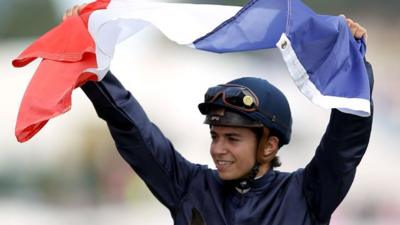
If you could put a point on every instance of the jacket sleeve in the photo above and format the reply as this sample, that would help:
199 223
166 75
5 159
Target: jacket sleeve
329 175
140 142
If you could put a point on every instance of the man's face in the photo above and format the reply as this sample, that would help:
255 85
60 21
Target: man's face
233 150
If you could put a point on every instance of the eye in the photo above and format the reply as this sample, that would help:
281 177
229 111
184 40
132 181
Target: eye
232 139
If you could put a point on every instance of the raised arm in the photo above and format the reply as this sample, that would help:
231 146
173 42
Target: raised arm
140 142
329 175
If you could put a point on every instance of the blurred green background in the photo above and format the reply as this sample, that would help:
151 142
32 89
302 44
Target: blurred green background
70 173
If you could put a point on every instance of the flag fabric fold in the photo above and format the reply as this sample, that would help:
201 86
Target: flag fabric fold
57 47
181 23
67 51
258 25
324 60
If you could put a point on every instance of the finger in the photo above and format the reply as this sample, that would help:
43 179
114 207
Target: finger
75 10
67 14
349 21
82 6
78 8
353 28
360 33
365 36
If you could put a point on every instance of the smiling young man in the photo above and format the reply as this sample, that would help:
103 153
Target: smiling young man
249 121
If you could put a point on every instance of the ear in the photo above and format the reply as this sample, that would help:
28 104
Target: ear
269 149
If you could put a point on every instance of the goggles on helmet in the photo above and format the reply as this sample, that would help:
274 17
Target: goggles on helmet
233 95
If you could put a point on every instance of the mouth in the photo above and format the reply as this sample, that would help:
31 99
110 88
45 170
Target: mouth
223 164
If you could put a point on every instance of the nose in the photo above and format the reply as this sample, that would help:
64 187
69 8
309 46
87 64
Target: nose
218 147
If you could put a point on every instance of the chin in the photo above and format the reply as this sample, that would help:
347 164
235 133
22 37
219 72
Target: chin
227 177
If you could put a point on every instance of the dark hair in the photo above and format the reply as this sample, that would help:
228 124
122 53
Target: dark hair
275 162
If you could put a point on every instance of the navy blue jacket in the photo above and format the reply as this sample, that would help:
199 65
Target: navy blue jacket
194 194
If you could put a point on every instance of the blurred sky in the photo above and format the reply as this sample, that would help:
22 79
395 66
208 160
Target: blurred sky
70 172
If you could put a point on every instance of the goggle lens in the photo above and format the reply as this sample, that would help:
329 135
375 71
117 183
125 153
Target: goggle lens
236 96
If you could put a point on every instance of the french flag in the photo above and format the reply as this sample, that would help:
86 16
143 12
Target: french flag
323 58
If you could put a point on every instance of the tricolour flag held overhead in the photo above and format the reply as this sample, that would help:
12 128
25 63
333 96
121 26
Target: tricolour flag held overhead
323 58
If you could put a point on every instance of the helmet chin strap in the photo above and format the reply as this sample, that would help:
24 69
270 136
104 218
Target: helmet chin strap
242 185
